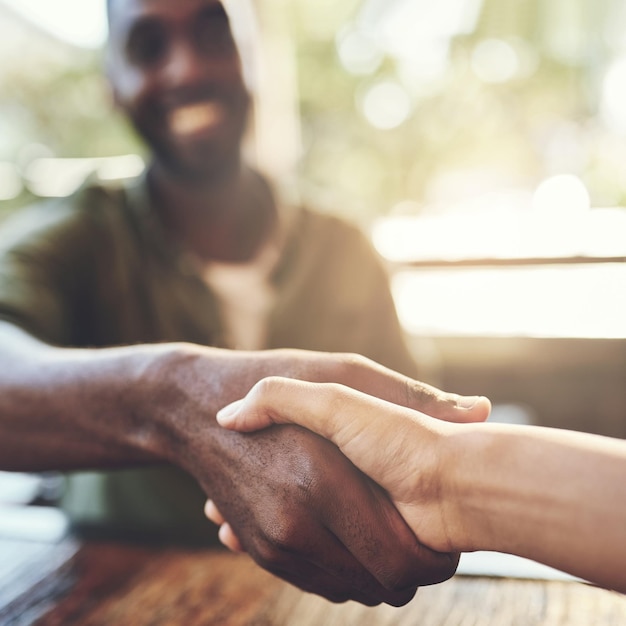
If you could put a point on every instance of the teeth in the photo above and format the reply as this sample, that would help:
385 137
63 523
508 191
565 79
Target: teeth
195 117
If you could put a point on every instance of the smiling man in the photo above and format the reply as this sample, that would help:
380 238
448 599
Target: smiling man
178 76
194 272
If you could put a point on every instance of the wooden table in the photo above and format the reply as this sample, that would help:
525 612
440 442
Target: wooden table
114 584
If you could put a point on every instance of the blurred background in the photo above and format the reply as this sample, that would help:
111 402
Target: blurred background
482 143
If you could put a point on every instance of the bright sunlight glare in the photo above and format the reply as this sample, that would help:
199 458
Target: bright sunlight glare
572 301
562 195
614 96
386 105
79 22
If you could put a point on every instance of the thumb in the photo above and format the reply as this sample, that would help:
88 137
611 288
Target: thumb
272 400
276 400
338 413
379 437
449 407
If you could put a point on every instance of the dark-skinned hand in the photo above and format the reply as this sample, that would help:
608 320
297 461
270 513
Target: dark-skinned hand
296 504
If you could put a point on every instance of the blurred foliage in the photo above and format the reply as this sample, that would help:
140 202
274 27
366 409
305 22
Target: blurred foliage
463 136
68 110
53 102
509 134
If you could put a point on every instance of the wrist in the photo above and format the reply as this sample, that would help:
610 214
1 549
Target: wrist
160 398
480 491
464 491
102 400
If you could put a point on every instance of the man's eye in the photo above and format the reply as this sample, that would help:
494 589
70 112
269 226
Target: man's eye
148 45
212 34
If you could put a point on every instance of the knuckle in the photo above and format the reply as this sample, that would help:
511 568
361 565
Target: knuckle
405 569
284 535
349 365
401 598
307 471
423 396
445 569
304 481
336 398
269 556
359 363
267 387
341 598
426 568
354 359
400 578
337 404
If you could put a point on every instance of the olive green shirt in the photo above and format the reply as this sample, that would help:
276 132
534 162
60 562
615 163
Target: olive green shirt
98 269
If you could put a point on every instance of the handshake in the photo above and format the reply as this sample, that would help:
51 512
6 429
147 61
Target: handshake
412 480
349 508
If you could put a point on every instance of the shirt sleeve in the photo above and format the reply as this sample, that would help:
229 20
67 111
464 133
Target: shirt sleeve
42 263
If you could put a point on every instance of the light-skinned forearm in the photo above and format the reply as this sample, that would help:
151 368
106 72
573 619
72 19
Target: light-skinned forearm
550 495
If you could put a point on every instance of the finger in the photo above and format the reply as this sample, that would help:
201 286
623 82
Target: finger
397 447
276 400
376 380
393 555
352 420
313 579
449 407
328 569
391 444
228 537
244 415
213 513
251 413
369 538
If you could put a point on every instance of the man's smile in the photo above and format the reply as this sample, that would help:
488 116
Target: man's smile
196 118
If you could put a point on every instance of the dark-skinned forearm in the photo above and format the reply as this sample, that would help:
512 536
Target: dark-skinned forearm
118 407
67 409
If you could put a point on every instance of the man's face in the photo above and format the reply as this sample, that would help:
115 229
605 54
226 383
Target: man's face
175 70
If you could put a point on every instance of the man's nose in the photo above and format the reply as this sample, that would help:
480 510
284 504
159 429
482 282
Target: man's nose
184 66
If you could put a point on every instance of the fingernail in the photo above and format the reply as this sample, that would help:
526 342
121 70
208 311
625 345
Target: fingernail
229 412
468 402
